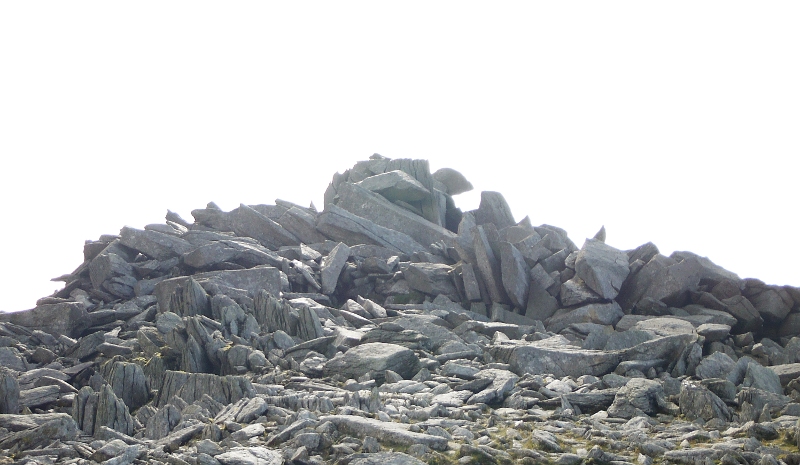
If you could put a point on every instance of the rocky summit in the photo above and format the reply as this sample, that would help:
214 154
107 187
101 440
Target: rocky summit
393 328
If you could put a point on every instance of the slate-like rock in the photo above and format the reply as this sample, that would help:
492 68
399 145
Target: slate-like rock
698 402
602 267
67 318
603 314
385 431
246 221
9 393
555 356
154 244
494 209
395 185
343 226
639 396
376 357
430 278
454 182
193 386
332 266
514 274
366 204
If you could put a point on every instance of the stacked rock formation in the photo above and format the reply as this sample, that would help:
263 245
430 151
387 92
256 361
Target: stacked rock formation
394 328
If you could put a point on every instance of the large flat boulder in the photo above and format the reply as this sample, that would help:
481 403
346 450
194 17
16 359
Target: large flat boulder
602 267
67 318
374 357
366 204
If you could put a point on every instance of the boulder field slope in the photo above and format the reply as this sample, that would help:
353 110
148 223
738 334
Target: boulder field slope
393 328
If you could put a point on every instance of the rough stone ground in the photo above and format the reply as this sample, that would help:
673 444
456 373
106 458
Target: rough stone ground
393 328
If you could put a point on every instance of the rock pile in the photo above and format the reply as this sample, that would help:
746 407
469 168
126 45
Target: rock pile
393 328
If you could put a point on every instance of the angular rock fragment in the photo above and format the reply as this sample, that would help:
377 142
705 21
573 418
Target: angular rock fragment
374 357
602 268
395 185
332 267
430 278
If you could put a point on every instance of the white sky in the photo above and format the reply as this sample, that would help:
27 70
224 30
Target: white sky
670 122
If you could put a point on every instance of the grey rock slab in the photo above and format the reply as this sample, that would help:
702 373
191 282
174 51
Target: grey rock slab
494 209
398 433
602 267
502 381
332 266
430 278
716 365
250 281
455 183
432 327
603 314
376 357
748 318
575 292
9 393
696 401
302 224
773 303
714 332
366 204
514 274
128 382
665 326
193 386
154 244
11 358
246 221
343 226
554 356
179 437
37 397
250 456
639 396
395 185
308 324
488 265
786 372
67 318
670 279
58 427
763 378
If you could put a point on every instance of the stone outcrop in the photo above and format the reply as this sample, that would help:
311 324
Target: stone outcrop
392 327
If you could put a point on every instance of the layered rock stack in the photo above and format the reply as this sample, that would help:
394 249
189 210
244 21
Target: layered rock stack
394 328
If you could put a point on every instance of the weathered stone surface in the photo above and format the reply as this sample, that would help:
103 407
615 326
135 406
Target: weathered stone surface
250 281
555 356
67 318
430 278
454 182
494 209
698 402
246 221
39 396
786 372
395 185
488 265
602 267
670 279
193 386
302 224
154 244
9 393
57 427
385 431
250 456
128 383
772 303
514 274
332 266
716 365
603 314
376 357
366 204
639 397
351 229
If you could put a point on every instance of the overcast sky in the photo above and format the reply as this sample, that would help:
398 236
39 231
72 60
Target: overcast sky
670 122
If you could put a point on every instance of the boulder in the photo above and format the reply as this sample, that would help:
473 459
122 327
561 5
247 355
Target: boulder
395 185
602 267
376 357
